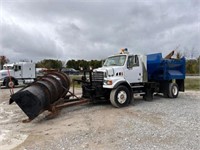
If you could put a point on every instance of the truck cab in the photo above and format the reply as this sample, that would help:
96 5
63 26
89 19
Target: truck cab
123 67
116 78
19 71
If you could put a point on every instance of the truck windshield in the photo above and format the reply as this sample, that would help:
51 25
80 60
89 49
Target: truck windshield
115 61
8 67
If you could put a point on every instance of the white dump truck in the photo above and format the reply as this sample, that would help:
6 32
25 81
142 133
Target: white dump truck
14 73
125 74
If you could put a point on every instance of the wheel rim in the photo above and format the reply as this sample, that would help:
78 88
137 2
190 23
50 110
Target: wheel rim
175 90
11 84
121 97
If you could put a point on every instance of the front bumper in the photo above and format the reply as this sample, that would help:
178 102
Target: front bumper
95 92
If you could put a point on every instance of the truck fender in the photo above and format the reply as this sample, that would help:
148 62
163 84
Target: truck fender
122 83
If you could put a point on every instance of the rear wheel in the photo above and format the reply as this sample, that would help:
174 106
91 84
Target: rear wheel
173 90
120 96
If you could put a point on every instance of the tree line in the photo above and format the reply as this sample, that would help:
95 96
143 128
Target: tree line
76 64
83 64
192 65
49 64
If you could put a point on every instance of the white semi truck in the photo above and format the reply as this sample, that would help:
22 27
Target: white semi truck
13 74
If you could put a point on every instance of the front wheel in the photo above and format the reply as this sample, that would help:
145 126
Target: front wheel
120 96
10 84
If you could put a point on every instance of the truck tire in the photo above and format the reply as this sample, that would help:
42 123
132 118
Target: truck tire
120 96
10 83
173 90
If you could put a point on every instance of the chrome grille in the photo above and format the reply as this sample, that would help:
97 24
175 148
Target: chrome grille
98 76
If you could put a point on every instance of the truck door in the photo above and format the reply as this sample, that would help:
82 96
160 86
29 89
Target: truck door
17 71
133 71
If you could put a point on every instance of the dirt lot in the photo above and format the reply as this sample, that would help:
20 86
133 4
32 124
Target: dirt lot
160 124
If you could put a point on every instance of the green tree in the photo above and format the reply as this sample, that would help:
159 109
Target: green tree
3 60
49 64
193 66
95 63
77 64
72 64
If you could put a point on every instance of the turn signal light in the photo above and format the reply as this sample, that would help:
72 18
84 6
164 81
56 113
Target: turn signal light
109 82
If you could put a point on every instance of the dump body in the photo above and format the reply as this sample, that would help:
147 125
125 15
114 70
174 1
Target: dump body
160 69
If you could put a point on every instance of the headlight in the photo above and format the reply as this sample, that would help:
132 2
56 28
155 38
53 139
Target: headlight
108 82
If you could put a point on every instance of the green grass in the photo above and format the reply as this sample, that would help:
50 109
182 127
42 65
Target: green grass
192 84
72 77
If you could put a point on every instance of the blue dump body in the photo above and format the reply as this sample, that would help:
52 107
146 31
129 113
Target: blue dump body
160 69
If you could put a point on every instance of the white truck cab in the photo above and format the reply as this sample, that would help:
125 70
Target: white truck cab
19 71
124 67
118 79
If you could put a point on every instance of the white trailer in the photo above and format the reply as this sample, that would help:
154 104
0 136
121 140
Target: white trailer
17 72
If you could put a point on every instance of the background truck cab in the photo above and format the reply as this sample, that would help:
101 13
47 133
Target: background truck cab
15 72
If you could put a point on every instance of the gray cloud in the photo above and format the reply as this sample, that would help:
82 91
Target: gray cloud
93 30
18 42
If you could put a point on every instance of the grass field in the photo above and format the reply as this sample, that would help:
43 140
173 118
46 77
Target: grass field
73 77
190 83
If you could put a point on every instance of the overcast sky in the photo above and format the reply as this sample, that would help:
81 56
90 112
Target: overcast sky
89 29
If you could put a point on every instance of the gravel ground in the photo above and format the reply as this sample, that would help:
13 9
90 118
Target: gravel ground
157 125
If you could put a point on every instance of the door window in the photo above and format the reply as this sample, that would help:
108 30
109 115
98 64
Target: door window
17 68
133 61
